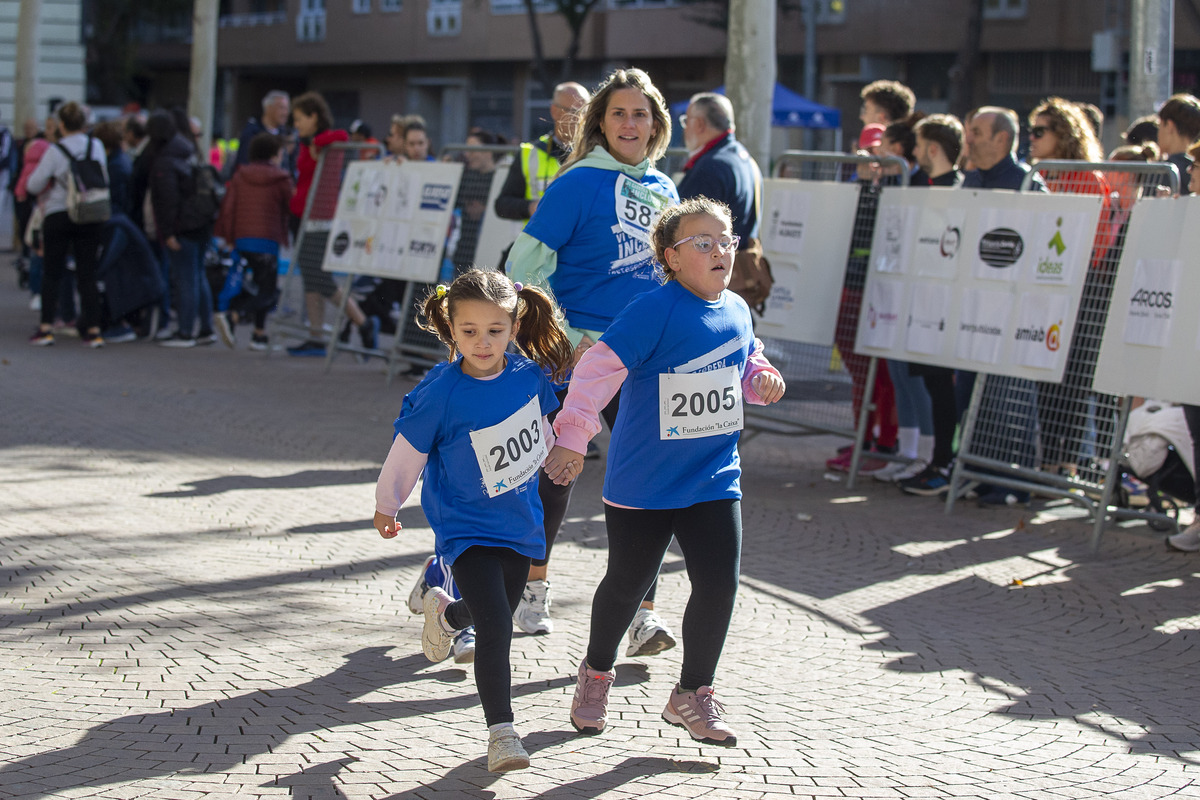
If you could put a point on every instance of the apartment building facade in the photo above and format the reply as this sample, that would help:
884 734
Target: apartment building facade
469 62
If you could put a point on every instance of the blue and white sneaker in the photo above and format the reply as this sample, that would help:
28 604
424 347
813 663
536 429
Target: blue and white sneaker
463 649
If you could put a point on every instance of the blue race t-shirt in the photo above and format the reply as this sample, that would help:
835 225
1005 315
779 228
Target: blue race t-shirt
438 417
672 331
601 264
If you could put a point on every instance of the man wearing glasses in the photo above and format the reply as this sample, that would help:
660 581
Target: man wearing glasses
539 161
720 168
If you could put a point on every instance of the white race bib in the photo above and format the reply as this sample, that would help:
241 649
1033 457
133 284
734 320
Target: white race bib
511 451
638 207
697 404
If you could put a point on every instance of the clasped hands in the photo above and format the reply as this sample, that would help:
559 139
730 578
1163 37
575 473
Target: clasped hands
563 465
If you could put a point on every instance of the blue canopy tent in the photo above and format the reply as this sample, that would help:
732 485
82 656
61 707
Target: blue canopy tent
788 110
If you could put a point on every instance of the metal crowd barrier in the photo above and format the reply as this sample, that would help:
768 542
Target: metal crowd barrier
821 378
1064 440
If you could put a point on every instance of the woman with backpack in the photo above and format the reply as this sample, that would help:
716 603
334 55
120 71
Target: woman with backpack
171 185
75 153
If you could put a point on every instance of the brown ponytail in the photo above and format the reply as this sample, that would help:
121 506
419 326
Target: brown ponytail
541 335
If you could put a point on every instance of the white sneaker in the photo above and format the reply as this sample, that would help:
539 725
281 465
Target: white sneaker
436 641
1187 540
464 646
648 635
897 471
417 596
505 751
533 613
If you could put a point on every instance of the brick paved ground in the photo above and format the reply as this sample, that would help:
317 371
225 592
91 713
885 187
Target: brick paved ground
195 605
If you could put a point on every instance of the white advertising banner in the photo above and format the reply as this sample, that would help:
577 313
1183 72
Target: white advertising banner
392 219
805 229
1152 335
987 281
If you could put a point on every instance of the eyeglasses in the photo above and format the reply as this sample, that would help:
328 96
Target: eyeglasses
1038 131
683 120
704 243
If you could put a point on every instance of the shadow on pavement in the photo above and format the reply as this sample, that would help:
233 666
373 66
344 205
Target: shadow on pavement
210 738
305 479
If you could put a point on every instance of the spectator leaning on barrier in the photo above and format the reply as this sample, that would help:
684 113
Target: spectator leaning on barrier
314 124
721 169
538 161
1178 129
939 145
417 146
883 102
992 149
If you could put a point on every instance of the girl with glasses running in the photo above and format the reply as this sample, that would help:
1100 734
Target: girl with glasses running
684 356
476 426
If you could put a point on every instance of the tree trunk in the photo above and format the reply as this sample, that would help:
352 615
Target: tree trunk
750 74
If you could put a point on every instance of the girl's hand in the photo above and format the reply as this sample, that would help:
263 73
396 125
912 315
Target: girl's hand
769 386
584 345
563 465
387 526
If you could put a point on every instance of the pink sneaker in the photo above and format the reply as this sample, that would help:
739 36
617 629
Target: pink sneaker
589 707
840 462
699 713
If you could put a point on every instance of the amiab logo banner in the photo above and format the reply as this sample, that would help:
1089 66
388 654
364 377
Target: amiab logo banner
1151 338
391 219
987 281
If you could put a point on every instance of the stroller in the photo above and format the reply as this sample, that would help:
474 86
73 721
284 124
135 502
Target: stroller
1158 452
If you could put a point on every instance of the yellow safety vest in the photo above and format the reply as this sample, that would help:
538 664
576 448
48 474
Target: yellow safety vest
538 167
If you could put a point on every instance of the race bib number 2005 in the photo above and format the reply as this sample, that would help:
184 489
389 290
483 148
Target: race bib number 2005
697 404
511 451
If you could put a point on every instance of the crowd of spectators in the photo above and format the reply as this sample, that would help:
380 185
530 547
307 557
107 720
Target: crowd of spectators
152 272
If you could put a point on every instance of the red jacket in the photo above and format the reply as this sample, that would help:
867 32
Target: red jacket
256 204
306 165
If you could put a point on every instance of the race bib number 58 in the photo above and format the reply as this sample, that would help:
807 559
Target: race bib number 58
638 207
510 452
698 404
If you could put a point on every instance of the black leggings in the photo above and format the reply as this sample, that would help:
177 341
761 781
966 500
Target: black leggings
710 535
490 580
939 382
556 499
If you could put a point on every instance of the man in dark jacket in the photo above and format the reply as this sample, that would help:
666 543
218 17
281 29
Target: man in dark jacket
276 108
991 142
719 167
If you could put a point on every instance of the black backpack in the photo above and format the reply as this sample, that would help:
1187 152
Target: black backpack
88 199
198 208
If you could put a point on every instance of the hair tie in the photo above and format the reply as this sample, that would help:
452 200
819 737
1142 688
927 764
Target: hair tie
441 290
518 285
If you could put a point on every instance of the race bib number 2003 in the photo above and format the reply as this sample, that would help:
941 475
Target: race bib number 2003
697 404
511 451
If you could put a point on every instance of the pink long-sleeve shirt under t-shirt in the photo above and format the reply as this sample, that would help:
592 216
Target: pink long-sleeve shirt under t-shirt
597 378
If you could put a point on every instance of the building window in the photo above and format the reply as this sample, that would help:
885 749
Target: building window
1004 9
444 18
642 3
362 6
310 22
389 5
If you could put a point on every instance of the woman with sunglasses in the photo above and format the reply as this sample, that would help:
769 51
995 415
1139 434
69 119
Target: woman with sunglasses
683 357
589 244
1060 131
